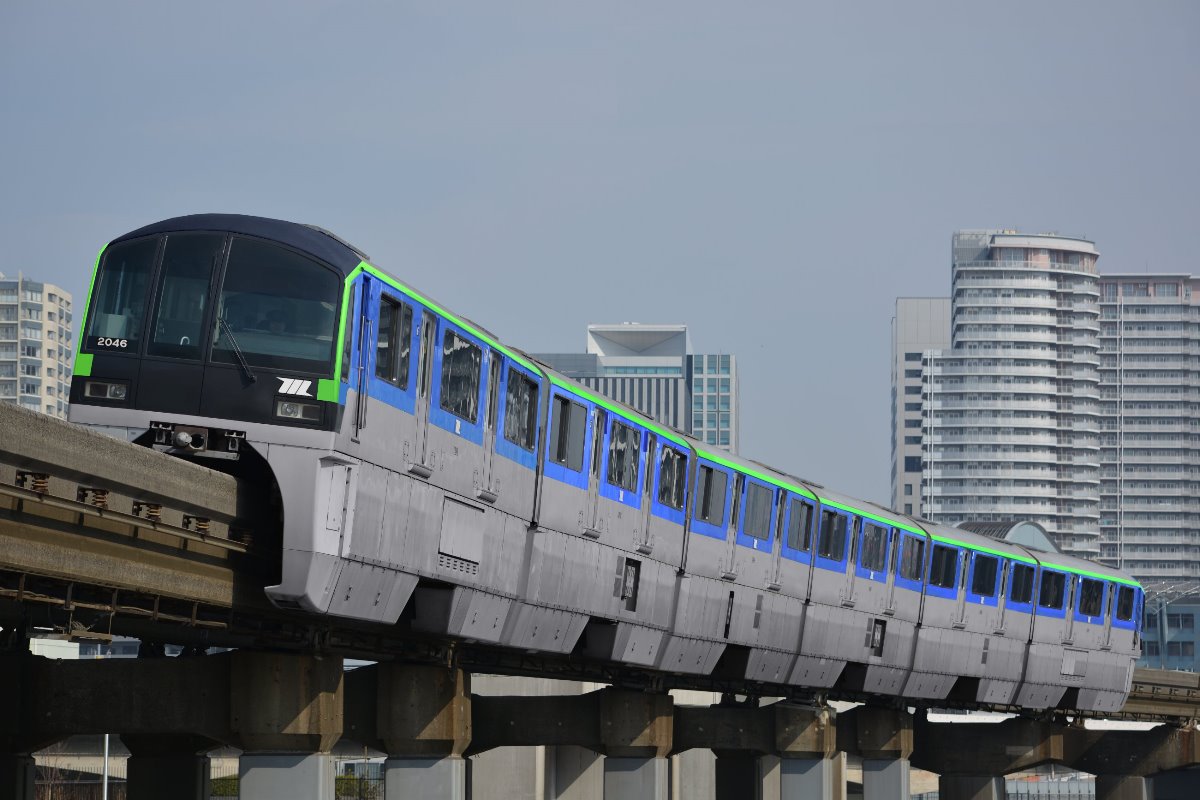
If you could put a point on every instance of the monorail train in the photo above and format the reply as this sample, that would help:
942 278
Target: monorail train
424 468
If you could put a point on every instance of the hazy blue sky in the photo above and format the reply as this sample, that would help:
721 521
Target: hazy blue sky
771 174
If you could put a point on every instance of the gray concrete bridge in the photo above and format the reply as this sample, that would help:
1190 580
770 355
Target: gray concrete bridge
99 537
286 712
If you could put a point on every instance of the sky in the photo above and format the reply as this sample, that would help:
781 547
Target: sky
773 175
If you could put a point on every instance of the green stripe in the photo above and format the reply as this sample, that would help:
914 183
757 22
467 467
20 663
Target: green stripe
83 365
753 473
328 390
83 319
937 537
627 414
390 281
1097 575
874 516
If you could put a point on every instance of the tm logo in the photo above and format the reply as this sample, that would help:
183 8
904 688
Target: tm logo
295 386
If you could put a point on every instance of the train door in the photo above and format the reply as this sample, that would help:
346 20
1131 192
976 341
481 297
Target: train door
964 565
776 568
487 490
1069 619
642 539
592 521
729 560
1110 610
360 380
1002 599
857 527
419 458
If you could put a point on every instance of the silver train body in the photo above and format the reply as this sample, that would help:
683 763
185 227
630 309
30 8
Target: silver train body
487 498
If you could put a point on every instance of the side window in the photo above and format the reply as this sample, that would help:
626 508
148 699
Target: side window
1091 598
1051 593
832 542
799 533
912 560
983 579
1021 584
393 341
710 495
623 447
874 547
520 410
568 425
758 512
672 477
460 376
1125 603
943 567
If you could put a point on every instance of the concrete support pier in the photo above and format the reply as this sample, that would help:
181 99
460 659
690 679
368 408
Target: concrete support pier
286 712
970 787
17 773
636 734
884 738
167 766
1124 787
421 717
809 763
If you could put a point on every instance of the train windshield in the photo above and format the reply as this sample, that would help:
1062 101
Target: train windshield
277 309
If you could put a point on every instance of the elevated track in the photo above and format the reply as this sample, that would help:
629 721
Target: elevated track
100 537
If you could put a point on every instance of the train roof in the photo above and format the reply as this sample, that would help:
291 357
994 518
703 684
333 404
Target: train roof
309 239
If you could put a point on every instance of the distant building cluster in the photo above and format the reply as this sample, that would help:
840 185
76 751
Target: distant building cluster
36 345
1046 391
652 368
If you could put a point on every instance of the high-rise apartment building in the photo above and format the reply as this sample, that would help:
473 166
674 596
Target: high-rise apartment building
921 324
1012 407
1062 396
1150 424
653 369
36 345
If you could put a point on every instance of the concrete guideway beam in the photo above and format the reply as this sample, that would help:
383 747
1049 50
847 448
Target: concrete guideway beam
1014 745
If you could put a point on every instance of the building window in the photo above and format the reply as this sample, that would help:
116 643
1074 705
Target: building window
1151 648
1181 622
908 490
908 508
912 439
724 369
912 463
911 357
912 406
912 389
912 423
1166 290
912 373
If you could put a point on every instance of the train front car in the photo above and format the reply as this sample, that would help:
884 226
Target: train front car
216 337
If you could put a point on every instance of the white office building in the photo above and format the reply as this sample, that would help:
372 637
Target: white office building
36 345
652 368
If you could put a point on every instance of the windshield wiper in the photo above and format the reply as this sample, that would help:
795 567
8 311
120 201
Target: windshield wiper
237 351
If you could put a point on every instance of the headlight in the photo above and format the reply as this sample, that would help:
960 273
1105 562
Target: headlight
291 409
105 390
